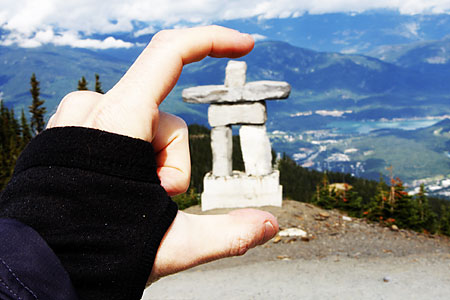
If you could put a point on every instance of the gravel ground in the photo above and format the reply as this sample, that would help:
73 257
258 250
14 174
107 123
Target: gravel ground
337 259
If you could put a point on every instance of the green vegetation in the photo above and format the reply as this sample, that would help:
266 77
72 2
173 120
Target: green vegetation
98 84
14 136
376 201
36 109
414 155
358 197
82 84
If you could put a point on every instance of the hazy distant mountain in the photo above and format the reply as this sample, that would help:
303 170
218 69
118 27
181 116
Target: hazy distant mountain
356 87
416 54
57 68
369 87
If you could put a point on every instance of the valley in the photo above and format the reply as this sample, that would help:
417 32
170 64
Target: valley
347 112
416 149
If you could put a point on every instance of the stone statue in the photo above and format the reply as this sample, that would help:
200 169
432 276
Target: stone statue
239 103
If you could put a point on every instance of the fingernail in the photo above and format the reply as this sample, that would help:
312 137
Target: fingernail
269 232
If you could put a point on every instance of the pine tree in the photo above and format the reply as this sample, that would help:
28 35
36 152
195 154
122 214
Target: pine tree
82 84
98 84
10 143
405 210
36 109
428 219
349 201
25 129
325 197
378 207
444 222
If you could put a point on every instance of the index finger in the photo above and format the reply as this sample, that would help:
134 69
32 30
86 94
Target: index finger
157 69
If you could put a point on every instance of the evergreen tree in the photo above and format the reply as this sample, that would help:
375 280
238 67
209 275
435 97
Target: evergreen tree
10 143
298 183
405 210
25 129
428 219
201 154
36 109
379 208
82 84
349 201
325 196
98 84
444 222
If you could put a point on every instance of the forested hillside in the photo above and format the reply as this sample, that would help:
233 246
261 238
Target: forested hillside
376 200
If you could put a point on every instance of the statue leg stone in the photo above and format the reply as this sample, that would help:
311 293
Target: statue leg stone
256 150
222 147
240 189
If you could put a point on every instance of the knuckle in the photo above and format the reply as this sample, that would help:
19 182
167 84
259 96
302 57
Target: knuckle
71 97
216 27
162 36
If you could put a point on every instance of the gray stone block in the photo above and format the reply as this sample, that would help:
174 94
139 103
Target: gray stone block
235 73
241 190
251 92
211 94
265 90
233 114
222 148
256 149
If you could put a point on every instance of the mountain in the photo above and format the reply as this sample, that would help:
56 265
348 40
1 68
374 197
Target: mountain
369 87
334 96
57 68
431 58
416 54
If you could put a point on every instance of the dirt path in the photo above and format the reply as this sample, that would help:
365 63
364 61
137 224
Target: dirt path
339 258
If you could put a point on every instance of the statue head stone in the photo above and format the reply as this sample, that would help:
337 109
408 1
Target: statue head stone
238 102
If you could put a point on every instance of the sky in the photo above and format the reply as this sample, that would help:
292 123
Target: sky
97 24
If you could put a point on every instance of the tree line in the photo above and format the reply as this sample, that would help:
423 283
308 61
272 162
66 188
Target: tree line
379 201
17 131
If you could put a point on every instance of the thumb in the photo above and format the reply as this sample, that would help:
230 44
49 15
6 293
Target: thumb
196 239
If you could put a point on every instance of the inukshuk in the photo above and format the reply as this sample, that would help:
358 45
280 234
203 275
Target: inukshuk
239 103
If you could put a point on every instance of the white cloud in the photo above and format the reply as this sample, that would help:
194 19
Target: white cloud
73 40
411 29
29 17
258 37
408 30
350 51
144 31
62 39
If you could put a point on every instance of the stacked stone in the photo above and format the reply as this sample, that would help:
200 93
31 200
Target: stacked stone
239 103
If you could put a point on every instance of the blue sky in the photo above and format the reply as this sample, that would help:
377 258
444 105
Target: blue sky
100 24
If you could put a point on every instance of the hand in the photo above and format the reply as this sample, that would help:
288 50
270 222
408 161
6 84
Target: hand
131 108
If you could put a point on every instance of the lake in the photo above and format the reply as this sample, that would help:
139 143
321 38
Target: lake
364 127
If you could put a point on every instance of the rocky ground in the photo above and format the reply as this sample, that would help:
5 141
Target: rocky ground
328 234
344 258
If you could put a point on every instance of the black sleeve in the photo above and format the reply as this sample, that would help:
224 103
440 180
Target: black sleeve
97 201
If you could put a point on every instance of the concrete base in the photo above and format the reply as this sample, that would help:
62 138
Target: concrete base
241 190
